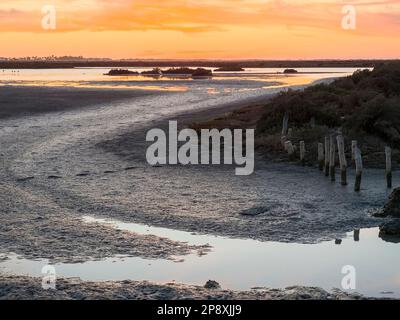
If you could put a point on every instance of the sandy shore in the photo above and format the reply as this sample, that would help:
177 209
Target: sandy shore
86 157
23 288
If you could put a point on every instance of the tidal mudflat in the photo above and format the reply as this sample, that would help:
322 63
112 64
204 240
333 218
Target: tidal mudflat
88 161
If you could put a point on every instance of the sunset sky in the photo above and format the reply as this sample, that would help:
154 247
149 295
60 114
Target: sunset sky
230 29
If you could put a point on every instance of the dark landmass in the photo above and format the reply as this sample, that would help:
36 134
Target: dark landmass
153 72
289 71
178 71
121 72
199 72
81 63
229 69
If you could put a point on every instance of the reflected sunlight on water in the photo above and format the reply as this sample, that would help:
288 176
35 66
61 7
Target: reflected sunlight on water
95 78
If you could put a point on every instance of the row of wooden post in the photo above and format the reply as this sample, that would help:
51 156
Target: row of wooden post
327 156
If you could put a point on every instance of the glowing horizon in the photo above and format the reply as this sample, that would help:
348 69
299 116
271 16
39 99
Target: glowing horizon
208 29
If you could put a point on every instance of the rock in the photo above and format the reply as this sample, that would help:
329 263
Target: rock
390 231
130 168
391 227
53 177
338 241
211 284
392 207
254 211
25 179
83 174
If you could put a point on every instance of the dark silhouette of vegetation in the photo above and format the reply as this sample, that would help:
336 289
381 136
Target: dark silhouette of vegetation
290 71
44 63
229 69
178 71
199 72
153 72
366 103
121 72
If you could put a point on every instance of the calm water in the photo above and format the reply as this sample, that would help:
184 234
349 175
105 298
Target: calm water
243 264
94 77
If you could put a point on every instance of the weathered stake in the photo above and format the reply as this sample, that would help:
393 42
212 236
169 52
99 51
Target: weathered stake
327 156
342 160
353 149
283 141
356 235
332 158
302 153
388 152
359 168
289 133
321 156
289 148
285 124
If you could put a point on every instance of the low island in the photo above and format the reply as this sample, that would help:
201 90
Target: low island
229 69
194 73
121 72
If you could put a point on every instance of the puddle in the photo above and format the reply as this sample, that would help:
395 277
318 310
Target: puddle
243 264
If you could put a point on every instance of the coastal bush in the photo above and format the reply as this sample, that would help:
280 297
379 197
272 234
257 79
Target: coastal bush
367 102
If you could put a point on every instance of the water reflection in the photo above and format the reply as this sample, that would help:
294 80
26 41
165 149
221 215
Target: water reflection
94 77
243 264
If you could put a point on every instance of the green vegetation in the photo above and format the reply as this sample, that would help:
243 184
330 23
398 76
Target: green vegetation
366 103
366 106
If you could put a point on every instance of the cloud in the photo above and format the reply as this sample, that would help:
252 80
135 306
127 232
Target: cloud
196 16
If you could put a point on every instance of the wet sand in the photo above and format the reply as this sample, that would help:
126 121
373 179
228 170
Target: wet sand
26 288
25 101
87 159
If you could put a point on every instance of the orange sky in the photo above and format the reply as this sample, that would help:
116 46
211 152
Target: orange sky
230 29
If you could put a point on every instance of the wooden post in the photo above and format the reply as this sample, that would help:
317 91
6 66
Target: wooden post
289 133
283 141
342 160
321 156
359 168
327 156
289 148
356 235
302 153
332 158
285 124
388 152
353 149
